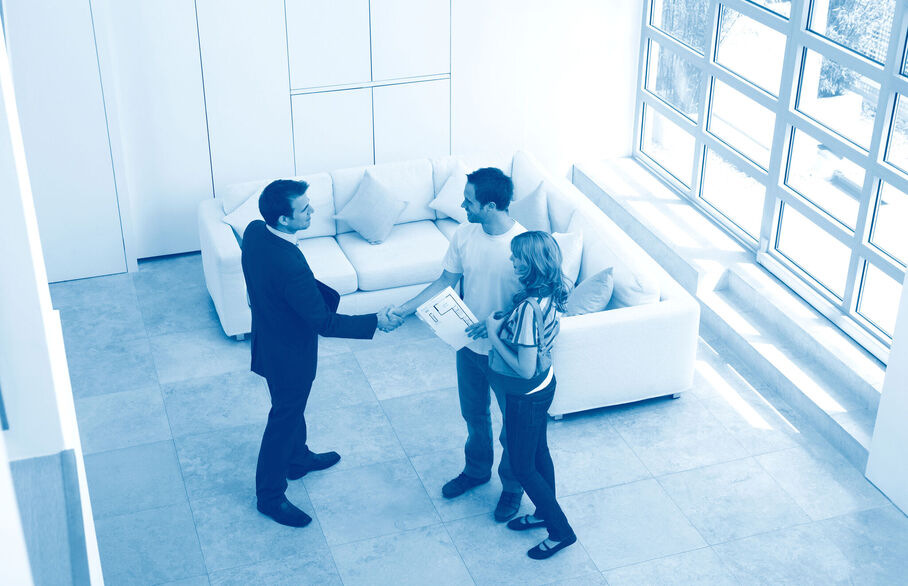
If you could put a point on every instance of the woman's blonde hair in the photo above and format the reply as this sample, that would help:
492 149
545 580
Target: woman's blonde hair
543 277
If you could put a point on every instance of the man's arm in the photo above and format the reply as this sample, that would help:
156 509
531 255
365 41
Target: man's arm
306 299
447 279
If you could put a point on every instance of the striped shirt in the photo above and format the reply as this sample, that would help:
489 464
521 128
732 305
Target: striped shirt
519 329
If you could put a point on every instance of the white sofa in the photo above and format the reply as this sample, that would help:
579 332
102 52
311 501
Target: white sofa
623 354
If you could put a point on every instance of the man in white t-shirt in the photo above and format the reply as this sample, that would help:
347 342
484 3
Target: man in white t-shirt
479 253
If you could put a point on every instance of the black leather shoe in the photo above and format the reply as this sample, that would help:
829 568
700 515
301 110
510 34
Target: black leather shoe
541 552
461 484
313 462
508 505
285 513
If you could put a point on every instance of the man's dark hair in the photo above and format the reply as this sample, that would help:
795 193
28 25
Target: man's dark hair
492 186
277 199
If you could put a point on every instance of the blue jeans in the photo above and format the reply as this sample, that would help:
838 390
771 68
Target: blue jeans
475 399
526 422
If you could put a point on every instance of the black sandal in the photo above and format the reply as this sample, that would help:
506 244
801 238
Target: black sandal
523 523
542 551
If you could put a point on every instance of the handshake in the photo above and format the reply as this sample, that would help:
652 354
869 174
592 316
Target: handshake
390 318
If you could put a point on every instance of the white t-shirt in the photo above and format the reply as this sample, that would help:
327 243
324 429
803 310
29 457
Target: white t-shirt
489 280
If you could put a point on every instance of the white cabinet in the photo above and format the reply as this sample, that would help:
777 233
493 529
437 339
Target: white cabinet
332 130
247 93
149 55
328 42
412 120
61 111
410 38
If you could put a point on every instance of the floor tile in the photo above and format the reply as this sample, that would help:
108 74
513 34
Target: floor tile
332 346
496 555
732 500
822 481
589 454
194 581
405 369
437 468
340 382
110 322
629 523
369 501
361 434
121 420
158 545
585 580
420 556
315 568
198 353
233 533
797 555
701 566
204 404
874 542
177 310
110 368
134 479
670 435
221 461
427 422
112 289
169 272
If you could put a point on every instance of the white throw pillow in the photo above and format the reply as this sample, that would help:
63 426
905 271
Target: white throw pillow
449 199
372 211
533 210
248 211
592 295
571 245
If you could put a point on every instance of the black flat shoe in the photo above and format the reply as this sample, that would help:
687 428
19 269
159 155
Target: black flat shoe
313 463
541 552
523 523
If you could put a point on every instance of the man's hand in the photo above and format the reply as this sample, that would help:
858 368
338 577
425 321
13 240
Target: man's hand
388 321
477 330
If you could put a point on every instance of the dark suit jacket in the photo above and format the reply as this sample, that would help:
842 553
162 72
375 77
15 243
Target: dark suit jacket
290 309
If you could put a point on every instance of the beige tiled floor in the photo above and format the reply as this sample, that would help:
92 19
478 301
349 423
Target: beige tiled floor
718 487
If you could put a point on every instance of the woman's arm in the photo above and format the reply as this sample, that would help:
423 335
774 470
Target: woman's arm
523 361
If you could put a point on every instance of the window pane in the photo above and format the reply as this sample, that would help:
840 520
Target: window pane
837 96
831 182
674 79
879 299
897 150
668 145
742 123
750 49
813 249
782 7
890 223
860 25
736 195
686 20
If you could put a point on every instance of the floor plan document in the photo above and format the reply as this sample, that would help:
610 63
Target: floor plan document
447 315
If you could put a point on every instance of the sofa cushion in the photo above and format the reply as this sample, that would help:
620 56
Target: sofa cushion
591 295
447 226
532 211
373 210
525 173
329 264
635 284
561 208
442 168
409 181
411 254
448 202
320 198
571 245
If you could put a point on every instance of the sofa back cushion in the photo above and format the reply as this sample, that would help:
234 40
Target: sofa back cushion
321 199
409 181
526 174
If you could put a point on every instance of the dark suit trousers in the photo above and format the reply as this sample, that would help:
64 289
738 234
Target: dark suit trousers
284 440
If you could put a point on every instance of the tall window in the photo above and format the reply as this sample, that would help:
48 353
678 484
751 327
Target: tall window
787 122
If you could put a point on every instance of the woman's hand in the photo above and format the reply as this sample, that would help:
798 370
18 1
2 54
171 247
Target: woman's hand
492 324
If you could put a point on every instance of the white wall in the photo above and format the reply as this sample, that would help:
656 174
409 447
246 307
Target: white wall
886 466
557 79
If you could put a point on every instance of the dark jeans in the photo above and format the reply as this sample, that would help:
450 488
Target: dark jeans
284 440
526 421
475 398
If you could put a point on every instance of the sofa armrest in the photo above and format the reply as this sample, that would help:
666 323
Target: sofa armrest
624 355
223 269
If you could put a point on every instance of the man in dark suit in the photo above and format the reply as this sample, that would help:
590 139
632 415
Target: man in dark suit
290 310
